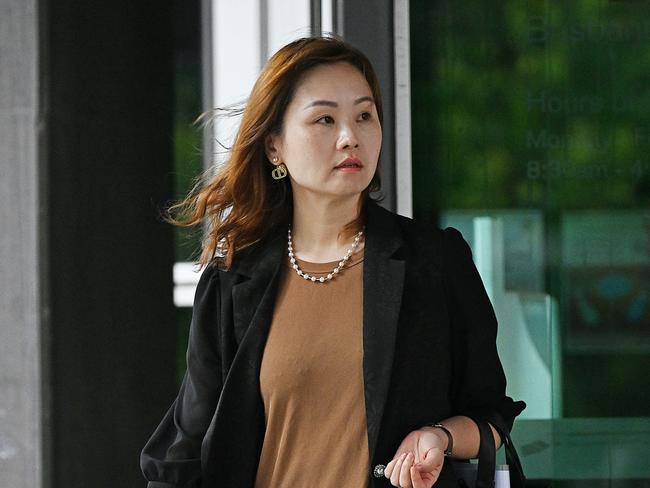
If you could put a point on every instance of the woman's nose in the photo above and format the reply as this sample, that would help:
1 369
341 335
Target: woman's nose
348 138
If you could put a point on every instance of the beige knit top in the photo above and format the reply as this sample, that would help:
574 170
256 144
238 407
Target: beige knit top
311 381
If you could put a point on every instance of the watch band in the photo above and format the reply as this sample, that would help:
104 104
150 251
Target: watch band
450 439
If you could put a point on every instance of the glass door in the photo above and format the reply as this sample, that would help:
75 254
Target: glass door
531 131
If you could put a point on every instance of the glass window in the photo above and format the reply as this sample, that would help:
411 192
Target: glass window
531 132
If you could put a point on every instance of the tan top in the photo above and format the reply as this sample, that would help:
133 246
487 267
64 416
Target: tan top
311 381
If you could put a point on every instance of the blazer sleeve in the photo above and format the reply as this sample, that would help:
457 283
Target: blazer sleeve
172 456
479 383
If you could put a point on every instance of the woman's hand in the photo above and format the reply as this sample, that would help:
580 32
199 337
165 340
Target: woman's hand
418 460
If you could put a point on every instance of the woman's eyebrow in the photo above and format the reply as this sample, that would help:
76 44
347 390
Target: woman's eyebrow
330 103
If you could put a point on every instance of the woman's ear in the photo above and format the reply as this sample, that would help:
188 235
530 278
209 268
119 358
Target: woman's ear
270 147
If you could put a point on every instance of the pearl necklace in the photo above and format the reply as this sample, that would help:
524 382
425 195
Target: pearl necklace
334 272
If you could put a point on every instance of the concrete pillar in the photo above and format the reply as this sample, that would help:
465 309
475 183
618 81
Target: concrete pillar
109 80
21 431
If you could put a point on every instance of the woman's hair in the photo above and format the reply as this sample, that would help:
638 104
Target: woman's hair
241 202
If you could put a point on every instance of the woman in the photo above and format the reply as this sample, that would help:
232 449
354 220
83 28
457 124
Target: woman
327 332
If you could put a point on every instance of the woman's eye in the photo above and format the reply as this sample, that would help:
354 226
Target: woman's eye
325 117
364 116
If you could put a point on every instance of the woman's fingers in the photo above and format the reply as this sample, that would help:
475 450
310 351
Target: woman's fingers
388 470
404 474
397 469
416 478
427 474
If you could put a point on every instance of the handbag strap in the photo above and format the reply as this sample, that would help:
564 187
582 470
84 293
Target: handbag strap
486 455
517 477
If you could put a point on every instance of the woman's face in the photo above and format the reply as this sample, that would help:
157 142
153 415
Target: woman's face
331 117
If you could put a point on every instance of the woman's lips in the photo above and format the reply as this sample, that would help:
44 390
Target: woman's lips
348 169
350 165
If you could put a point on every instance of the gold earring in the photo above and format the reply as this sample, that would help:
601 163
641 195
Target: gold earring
280 171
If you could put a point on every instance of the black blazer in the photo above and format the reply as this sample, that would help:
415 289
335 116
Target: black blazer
429 342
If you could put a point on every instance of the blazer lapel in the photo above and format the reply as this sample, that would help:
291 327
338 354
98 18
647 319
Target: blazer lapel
258 276
383 282
240 411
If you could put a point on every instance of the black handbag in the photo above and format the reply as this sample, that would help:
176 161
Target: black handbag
482 475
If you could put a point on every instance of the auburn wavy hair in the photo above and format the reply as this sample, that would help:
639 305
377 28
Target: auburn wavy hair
239 201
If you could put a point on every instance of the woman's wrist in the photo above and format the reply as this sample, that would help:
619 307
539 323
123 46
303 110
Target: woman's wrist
444 436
